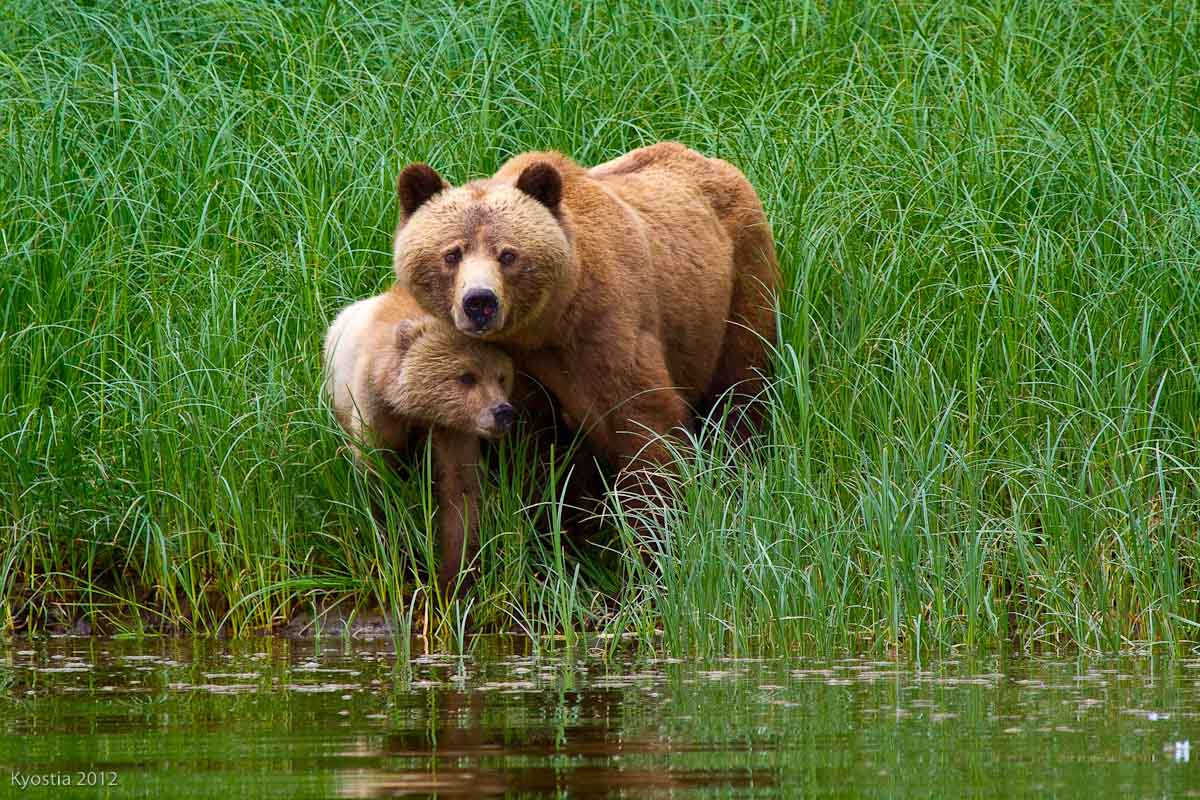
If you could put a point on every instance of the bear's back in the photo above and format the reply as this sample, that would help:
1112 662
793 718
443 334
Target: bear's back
724 188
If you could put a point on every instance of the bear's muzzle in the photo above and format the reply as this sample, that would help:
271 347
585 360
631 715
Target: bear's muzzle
481 307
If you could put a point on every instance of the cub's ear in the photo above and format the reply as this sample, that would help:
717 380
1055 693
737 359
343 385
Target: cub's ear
415 185
406 333
542 182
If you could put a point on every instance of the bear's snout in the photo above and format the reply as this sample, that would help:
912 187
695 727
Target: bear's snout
480 306
503 416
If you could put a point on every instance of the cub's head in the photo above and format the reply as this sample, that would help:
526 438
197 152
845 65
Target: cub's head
449 380
492 257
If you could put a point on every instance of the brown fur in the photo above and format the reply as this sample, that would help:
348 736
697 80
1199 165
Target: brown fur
393 371
642 290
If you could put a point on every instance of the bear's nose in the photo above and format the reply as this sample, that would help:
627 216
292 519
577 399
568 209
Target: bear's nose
480 305
503 415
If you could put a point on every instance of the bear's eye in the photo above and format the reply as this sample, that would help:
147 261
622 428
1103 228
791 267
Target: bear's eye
507 257
467 379
453 257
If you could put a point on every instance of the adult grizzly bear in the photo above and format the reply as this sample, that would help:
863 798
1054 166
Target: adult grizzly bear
392 371
638 292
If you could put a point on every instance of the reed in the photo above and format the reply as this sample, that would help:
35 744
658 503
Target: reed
985 414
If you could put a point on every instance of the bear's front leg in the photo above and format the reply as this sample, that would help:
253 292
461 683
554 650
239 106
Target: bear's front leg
638 445
627 409
456 481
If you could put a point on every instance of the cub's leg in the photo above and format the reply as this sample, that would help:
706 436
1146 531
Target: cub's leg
456 481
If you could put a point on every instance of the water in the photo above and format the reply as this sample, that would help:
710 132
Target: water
280 718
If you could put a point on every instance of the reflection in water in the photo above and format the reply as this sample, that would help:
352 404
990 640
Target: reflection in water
460 755
278 718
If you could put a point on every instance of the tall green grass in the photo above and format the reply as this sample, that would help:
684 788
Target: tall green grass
986 413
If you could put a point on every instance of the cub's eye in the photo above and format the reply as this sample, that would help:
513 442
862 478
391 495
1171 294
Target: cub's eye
507 257
453 257
467 379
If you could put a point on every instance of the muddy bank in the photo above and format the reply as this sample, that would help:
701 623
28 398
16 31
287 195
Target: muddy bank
335 618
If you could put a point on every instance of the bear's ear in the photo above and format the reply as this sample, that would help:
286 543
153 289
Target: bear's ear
542 182
415 185
406 332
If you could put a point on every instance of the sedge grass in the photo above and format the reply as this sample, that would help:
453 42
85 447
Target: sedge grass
985 414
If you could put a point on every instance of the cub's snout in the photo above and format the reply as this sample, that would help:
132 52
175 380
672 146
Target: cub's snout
503 416
496 420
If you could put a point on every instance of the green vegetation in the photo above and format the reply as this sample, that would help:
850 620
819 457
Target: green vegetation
987 412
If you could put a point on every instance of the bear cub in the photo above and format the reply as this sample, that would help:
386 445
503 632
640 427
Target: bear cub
392 373
391 369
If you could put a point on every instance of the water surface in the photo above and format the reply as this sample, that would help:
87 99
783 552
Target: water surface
339 718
